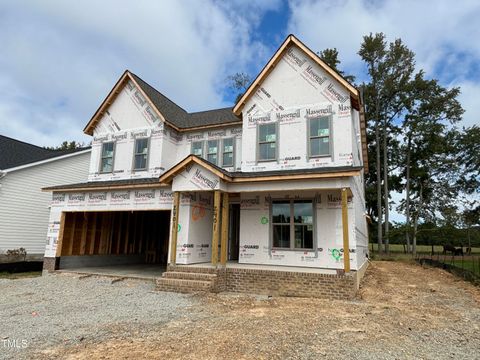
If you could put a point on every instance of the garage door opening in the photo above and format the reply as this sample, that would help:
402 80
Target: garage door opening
115 238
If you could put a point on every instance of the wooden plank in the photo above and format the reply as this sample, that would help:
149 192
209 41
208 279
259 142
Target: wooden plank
215 227
93 234
224 238
61 231
346 243
83 241
119 232
127 233
174 234
72 234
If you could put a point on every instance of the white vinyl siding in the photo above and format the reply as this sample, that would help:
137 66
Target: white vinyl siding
24 208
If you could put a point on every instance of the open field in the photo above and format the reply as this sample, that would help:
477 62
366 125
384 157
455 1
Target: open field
398 248
402 311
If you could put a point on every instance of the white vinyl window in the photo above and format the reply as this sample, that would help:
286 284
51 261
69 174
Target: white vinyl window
267 142
141 154
319 136
227 152
212 151
106 161
197 148
292 224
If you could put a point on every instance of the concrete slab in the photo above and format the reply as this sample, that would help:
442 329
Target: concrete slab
134 271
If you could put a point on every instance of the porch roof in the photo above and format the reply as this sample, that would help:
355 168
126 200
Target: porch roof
238 176
107 185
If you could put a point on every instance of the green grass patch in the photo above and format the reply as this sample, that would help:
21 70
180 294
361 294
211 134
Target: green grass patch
398 248
22 275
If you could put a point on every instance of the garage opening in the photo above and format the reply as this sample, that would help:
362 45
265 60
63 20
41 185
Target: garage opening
107 239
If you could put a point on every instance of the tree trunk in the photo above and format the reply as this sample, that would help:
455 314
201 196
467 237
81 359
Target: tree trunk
379 183
407 196
415 225
385 185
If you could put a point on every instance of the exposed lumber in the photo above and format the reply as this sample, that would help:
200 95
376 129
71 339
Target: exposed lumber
83 241
215 227
173 237
72 234
224 238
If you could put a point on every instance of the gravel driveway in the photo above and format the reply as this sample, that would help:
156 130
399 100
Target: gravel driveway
403 311
43 312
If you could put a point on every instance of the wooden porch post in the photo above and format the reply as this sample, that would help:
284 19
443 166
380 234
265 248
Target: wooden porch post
173 237
346 244
224 239
215 228
61 231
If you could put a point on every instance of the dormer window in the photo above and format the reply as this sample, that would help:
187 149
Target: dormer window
106 163
267 142
197 148
212 151
319 136
141 154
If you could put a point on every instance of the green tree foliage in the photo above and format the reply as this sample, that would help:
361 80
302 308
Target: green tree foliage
67 145
239 83
330 56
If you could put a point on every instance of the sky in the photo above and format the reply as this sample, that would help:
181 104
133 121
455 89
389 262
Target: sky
59 59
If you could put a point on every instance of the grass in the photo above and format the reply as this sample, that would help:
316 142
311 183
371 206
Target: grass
398 248
22 275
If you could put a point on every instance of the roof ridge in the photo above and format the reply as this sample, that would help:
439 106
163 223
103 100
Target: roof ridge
166 97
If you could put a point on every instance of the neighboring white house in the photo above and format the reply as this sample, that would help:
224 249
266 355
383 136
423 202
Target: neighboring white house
24 209
267 195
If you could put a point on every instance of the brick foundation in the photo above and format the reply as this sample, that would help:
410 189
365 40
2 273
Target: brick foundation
289 283
50 263
189 278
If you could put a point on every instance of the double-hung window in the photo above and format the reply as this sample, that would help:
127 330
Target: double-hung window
319 136
106 162
197 148
227 152
292 224
267 142
141 154
212 151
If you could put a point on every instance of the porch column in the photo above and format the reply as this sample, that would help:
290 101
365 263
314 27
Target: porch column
61 231
173 237
224 240
346 243
215 229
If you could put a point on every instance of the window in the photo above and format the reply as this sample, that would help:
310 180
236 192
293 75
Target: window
267 142
212 151
227 153
319 136
106 162
292 224
197 148
141 154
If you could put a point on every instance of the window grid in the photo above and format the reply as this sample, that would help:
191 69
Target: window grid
107 155
293 225
140 158
319 136
228 151
212 151
268 142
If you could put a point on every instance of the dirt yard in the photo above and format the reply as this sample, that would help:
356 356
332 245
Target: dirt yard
403 311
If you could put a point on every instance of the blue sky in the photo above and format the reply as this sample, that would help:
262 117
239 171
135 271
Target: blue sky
59 59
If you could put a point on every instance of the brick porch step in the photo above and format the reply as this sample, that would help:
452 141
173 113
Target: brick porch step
183 275
182 285
191 269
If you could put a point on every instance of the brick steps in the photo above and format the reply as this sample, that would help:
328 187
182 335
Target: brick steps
183 275
187 279
182 285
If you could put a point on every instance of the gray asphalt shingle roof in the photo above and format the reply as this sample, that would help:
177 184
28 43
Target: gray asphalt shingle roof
182 119
15 153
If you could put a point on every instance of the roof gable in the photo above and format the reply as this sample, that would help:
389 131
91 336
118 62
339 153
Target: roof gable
290 41
166 109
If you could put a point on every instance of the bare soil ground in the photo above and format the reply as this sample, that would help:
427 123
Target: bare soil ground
402 311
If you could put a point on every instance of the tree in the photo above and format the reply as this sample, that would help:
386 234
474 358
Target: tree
239 83
427 150
330 56
67 145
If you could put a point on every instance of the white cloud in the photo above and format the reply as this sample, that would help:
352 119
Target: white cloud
60 59
442 33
